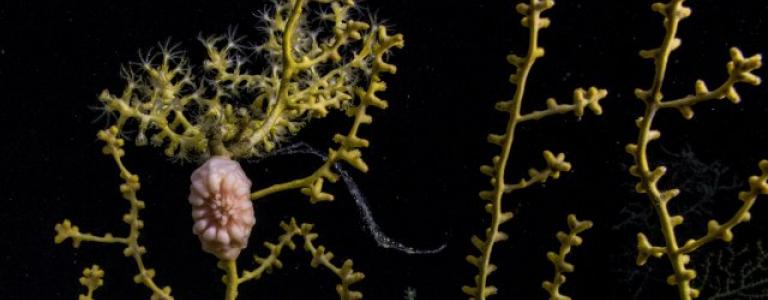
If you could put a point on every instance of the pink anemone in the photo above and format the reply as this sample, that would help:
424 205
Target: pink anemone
221 207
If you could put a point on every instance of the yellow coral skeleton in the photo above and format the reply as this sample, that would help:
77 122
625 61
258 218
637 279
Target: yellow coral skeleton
228 111
739 71
555 164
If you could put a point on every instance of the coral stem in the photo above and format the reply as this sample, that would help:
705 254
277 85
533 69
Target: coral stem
739 71
232 279
501 167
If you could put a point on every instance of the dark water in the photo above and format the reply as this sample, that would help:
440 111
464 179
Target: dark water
421 190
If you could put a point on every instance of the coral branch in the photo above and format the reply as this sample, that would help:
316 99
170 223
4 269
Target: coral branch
758 185
65 230
581 99
320 257
306 78
377 43
532 20
555 165
92 279
497 170
155 97
739 70
133 249
567 242
272 261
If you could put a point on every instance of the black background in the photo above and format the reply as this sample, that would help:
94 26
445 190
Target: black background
55 57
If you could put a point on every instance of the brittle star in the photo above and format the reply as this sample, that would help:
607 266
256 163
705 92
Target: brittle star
382 240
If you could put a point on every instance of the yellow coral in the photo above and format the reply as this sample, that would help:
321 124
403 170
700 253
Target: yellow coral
739 70
567 242
242 114
232 112
92 279
582 99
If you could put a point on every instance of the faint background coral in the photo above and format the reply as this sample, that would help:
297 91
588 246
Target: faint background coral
57 56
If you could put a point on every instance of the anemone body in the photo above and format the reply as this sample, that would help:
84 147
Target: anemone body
221 207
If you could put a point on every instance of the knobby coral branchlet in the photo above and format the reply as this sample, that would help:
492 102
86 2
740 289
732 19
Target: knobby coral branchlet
91 280
555 164
229 109
319 58
321 257
567 242
739 70
133 249
370 58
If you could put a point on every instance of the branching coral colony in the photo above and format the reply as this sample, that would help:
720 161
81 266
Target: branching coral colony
555 164
319 59
739 70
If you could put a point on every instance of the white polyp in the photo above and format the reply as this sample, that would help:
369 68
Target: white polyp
221 207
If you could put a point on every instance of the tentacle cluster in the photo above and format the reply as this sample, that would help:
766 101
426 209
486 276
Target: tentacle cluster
317 61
